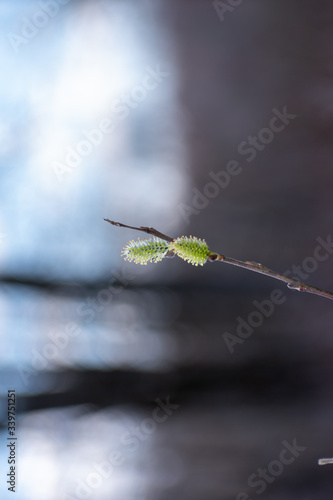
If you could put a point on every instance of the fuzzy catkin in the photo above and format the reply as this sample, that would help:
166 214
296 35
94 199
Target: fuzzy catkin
147 250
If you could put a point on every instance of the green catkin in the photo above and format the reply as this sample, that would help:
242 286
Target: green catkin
148 250
191 249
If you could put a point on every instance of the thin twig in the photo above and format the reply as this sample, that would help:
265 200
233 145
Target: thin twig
251 266
325 461
148 230
259 268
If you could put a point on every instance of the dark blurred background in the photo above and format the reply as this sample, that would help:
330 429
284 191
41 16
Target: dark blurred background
138 382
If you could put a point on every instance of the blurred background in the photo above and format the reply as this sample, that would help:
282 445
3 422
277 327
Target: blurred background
163 381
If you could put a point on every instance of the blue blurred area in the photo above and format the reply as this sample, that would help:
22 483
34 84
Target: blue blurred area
92 63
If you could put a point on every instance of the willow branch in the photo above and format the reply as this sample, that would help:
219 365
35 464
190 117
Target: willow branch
212 257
